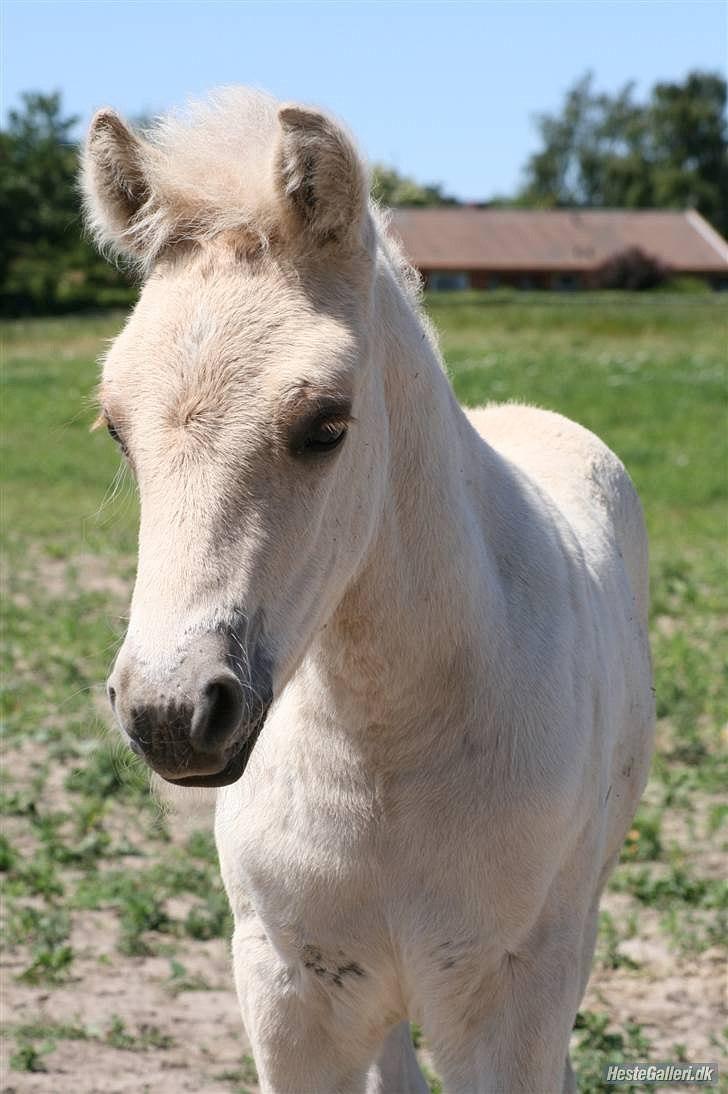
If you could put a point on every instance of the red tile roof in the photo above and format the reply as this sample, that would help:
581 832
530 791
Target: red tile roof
555 239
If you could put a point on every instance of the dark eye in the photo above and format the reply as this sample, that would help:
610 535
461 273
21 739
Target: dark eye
115 435
323 436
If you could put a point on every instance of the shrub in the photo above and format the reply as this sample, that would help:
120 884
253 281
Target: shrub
632 269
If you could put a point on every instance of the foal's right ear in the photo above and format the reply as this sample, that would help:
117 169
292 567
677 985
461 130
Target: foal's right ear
114 180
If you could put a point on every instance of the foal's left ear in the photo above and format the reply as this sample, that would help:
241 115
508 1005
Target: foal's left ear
320 177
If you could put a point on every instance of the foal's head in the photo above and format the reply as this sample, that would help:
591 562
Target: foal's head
242 395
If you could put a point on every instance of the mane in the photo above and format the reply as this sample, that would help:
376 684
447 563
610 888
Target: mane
210 169
212 163
390 249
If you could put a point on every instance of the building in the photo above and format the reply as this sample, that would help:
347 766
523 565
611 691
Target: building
466 247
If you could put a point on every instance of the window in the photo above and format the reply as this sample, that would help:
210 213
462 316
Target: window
449 281
566 282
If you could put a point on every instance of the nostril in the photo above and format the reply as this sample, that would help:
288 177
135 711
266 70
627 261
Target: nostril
111 692
225 702
217 713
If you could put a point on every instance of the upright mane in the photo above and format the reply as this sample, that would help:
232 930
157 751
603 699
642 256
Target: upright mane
209 168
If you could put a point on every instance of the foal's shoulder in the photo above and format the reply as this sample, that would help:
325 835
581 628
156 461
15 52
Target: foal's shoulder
583 477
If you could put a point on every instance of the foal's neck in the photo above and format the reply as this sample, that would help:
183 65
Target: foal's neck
406 635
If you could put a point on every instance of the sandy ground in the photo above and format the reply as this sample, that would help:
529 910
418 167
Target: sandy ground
207 1042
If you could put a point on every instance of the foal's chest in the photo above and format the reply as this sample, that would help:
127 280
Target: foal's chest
345 885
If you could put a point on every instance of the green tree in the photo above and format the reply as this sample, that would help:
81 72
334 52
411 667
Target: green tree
689 151
391 188
46 264
612 151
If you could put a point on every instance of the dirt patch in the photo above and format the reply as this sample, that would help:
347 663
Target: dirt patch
189 1041
678 1000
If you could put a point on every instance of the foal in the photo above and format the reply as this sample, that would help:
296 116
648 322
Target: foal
408 644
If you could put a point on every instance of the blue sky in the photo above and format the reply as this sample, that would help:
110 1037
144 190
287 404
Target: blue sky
445 91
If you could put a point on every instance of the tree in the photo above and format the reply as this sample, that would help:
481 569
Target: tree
36 196
391 188
611 151
690 145
46 264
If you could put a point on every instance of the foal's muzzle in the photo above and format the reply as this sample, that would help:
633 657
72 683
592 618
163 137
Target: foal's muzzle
197 724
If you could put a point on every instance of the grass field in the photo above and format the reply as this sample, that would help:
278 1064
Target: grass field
115 966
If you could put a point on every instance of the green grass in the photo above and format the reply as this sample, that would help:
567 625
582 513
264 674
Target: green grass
56 474
596 1043
647 373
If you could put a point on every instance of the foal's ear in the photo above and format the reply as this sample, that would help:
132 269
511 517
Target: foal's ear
320 177
114 180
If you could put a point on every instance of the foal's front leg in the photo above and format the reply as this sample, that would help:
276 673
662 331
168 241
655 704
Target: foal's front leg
510 1034
317 1031
396 1071
300 1041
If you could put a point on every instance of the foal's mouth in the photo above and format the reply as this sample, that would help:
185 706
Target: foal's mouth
229 773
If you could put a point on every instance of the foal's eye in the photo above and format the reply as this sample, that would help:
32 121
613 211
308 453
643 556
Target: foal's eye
323 435
115 435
